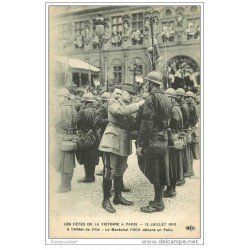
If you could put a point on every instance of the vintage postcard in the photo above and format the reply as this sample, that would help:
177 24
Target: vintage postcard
124 127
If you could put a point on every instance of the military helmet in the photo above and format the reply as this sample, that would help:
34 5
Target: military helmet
105 96
64 92
190 94
88 97
171 92
155 76
180 91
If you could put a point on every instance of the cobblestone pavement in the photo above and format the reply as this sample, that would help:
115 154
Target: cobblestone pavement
84 200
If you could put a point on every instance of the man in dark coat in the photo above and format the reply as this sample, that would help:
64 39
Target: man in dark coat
156 115
87 154
186 151
101 119
65 131
175 155
116 145
193 120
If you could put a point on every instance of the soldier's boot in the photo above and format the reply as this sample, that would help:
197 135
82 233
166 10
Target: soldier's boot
87 178
106 194
86 175
92 173
124 189
170 191
63 187
118 199
157 205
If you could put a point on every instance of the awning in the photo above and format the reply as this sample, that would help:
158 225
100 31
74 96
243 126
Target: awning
76 63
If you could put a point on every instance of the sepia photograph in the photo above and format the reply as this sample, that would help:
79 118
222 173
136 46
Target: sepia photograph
122 124
125 93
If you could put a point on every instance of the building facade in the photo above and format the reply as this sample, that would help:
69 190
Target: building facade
116 40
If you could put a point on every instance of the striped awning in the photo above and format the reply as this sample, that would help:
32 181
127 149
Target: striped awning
76 63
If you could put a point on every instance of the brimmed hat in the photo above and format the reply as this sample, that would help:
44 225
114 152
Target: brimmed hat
131 88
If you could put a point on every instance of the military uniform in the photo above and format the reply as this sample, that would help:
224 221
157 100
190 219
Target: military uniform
187 163
156 114
116 147
115 142
88 156
175 155
101 119
193 120
65 128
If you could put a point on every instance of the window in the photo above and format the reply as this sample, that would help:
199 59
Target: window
193 29
79 29
194 9
137 28
117 24
139 70
168 12
168 31
79 34
117 74
116 38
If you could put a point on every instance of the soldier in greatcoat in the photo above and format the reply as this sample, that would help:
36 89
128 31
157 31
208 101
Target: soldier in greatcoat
101 119
87 155
175 155
65 124
193 120
187 130
155 119
116 145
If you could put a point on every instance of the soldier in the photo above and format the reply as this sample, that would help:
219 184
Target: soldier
101 119
65 131
88 139
186 151
175 155
193 120
116 145
153 135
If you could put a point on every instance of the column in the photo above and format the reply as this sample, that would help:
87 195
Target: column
105 68
80 79
126 69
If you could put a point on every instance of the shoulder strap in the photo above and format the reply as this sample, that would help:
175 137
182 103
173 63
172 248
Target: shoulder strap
164 105
180 115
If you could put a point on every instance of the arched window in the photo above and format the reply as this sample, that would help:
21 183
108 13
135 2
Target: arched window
194 9
168 12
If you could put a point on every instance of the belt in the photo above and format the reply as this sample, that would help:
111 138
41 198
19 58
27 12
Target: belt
118 126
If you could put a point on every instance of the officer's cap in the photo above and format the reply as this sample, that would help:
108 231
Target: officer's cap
131 88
